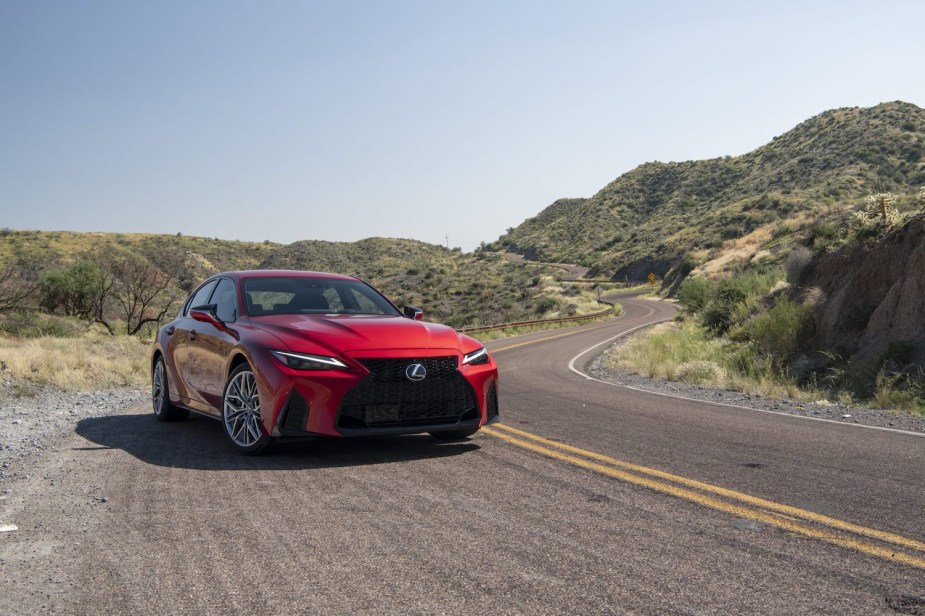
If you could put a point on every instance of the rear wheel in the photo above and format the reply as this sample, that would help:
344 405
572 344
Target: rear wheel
454 435
241 412
160 395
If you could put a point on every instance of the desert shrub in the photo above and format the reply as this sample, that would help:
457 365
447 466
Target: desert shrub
545 305
694 293
813 296
728 297
72 291
38 324
779 331
796 263
699 372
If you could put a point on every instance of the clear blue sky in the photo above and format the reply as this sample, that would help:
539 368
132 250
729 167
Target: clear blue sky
343 120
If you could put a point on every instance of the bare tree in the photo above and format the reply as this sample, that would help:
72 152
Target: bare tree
14 290
143 292
103 284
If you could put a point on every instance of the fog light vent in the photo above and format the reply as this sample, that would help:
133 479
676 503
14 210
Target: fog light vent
492 402
296 414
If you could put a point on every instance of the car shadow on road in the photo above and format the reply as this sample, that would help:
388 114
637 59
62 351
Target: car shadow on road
199 444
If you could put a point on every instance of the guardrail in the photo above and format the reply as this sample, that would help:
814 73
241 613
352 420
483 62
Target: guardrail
583 317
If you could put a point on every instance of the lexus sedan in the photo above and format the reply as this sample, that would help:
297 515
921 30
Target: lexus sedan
279 354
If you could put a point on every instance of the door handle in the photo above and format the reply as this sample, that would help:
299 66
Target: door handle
171 330
192 334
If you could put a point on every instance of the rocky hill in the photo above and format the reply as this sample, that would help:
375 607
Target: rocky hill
653 217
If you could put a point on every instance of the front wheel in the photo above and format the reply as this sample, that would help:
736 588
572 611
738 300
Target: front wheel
454 435
160 395
241 412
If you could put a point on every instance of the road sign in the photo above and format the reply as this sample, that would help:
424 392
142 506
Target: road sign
652 279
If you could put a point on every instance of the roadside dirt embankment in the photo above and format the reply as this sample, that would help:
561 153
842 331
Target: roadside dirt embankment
872 296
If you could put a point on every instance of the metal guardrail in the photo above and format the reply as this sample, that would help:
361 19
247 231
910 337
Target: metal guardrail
583 317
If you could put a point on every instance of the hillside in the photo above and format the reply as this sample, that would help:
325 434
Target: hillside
189 259
453 287
654 216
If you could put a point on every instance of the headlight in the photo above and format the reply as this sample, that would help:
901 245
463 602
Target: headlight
304 361
476 357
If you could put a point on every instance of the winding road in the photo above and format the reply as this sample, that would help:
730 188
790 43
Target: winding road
588 498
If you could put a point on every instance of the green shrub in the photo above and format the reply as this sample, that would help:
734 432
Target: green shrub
545 305
694 293
779 331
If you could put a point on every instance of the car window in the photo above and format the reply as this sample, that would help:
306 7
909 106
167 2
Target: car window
334 302
302 295
225 300
364 303
200 297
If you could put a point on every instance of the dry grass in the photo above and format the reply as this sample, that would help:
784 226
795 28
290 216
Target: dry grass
73 364
681 352
738 250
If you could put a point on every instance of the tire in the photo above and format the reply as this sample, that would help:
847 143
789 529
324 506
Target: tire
454 435
160 395
241 417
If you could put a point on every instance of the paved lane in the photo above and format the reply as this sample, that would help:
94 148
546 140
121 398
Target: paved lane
132 516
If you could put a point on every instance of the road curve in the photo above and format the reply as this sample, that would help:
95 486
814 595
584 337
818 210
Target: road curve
588 498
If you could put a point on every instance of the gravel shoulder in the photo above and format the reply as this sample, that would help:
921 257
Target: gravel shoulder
834 411
31 424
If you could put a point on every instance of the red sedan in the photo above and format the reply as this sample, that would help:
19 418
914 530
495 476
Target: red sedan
290 353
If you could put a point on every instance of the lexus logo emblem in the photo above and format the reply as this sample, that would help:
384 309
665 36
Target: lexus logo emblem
416 372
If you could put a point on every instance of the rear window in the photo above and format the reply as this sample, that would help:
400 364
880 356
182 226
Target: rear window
296 295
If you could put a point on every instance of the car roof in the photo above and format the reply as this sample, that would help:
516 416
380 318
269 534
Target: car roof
237 275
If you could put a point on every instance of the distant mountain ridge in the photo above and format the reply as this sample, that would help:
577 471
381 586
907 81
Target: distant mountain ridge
654 216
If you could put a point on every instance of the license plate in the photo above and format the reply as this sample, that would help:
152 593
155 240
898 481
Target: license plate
376 413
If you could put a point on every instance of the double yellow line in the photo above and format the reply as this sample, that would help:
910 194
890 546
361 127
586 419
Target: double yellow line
793 519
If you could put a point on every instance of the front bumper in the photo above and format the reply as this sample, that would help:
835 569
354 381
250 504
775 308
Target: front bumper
374 397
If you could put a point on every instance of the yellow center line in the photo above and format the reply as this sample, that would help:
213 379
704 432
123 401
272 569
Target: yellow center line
769 512
746 498
571 333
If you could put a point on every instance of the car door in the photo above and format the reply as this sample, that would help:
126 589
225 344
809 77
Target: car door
209 347
178 346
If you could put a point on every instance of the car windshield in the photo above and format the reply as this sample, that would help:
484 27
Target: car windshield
299 295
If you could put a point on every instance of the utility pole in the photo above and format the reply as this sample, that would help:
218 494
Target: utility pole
448 242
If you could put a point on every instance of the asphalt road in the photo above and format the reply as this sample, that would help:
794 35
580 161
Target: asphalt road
588 499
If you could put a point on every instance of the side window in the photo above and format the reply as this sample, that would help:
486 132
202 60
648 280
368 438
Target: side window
200 297
225 300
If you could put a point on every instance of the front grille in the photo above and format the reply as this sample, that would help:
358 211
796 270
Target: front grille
387 398
393 370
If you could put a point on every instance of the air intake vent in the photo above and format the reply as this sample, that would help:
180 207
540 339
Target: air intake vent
492 402
296 413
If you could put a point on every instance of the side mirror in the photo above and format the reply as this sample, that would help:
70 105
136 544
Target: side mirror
410 312
206 314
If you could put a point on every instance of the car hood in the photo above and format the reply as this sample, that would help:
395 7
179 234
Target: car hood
355 332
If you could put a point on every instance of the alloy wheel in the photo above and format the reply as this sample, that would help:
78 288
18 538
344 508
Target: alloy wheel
242 410
157 388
